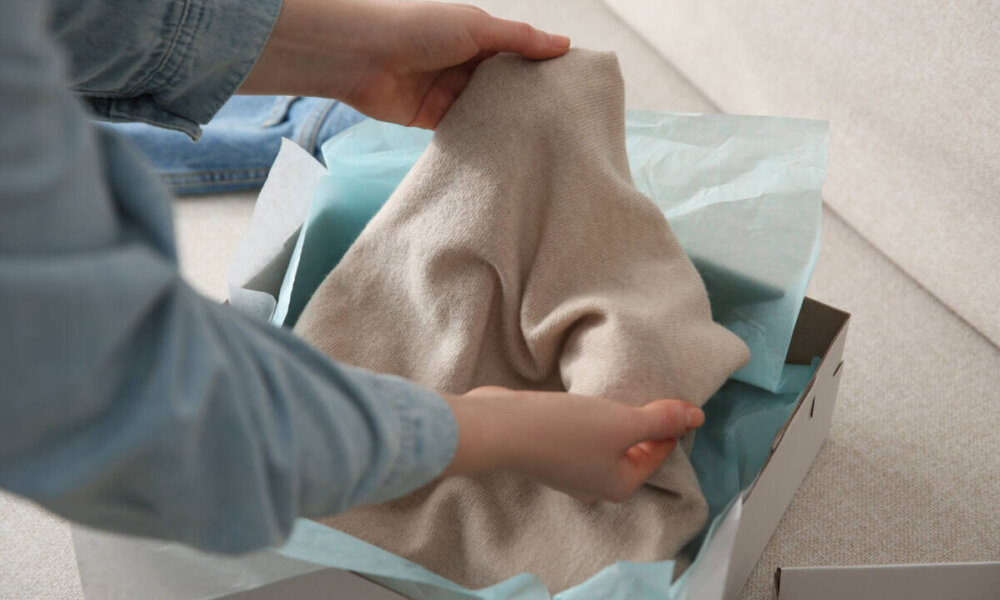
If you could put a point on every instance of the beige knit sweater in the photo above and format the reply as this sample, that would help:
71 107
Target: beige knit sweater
517 252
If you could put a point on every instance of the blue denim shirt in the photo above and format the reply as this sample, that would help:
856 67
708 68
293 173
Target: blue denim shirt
127 401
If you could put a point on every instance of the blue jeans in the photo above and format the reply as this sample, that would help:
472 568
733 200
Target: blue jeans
238 146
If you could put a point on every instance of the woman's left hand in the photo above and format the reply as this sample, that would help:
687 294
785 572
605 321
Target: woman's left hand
398 61
587 447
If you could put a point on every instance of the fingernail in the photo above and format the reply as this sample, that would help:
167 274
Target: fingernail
695 416
559 41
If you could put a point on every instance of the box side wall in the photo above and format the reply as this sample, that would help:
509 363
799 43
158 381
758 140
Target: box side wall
797 444
968 581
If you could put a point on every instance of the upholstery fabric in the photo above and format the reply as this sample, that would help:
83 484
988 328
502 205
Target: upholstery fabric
910 93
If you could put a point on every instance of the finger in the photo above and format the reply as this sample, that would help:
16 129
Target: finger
487 389
501 35
441 95
646 457
666 419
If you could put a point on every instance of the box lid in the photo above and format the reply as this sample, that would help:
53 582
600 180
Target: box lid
968 581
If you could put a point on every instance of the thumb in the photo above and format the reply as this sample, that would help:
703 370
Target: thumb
667 419
645 457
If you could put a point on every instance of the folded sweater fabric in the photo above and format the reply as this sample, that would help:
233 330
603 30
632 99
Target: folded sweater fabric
517 252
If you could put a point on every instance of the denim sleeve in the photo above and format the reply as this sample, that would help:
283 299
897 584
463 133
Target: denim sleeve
171 63
127 401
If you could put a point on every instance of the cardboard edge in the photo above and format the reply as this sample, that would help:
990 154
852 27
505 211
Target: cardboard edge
969 581
320 584
797 443
825 361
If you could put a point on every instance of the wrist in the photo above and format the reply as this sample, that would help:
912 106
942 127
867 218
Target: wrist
317 48
483 432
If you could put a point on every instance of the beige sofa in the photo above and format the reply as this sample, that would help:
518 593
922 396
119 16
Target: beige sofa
911 471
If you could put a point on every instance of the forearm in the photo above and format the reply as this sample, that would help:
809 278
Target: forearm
588 447
318 48
148 410
129 402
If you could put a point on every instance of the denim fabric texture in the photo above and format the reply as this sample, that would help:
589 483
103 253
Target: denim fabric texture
127 401
239 144
170 63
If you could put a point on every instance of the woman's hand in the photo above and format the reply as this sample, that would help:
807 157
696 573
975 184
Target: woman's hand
398 61
587 447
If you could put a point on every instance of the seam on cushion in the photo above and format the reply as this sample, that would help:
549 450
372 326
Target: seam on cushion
618 16
920 284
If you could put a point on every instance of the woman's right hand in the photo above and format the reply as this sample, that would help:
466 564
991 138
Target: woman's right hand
589 448
403 62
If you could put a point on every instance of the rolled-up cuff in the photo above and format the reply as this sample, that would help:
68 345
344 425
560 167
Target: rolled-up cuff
215 45
428 438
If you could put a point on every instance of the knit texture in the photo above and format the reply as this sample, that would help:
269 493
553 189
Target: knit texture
517 252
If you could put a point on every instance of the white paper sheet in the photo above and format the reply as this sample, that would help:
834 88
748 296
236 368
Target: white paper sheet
255 274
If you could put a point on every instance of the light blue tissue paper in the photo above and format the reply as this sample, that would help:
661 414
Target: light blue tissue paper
742 194
744 197
366 164
733 445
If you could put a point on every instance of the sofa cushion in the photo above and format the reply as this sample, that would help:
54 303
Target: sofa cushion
912 97
908 473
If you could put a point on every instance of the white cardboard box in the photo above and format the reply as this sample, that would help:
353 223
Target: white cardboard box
959 581
821 330
739 541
